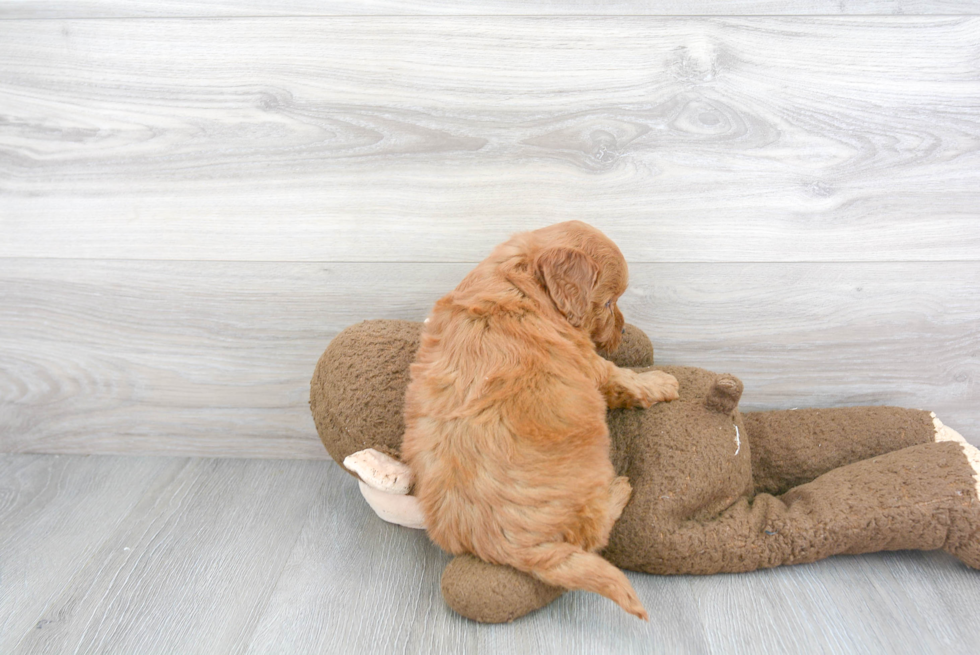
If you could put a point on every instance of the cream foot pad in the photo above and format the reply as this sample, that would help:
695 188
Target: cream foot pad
384 483
946 433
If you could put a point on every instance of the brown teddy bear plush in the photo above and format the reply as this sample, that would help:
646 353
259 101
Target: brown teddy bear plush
714 489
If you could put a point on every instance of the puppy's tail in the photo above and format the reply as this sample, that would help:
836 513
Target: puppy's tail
564 565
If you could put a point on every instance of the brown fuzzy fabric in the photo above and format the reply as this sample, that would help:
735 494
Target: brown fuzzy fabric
358 388
692 444
634 352
792 447
694 509
504 593
357 393
713 490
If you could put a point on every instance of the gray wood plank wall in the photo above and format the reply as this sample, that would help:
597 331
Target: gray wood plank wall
191 207
146 8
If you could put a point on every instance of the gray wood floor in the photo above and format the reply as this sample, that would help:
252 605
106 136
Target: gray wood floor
102 554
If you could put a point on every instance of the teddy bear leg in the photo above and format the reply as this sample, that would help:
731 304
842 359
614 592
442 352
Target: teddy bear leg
923 497
793 447
964 538
492 593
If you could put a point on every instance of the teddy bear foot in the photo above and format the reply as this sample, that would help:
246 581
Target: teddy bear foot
491 593
964 544
384 482
968 551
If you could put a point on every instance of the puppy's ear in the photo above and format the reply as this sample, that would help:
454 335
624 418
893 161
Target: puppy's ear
569 275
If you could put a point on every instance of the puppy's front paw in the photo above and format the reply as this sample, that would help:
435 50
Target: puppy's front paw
655 387
626 388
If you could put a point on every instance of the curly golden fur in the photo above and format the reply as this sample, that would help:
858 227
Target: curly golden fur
505 413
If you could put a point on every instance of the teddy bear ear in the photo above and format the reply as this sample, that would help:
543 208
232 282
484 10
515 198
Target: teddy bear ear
724 394
569 275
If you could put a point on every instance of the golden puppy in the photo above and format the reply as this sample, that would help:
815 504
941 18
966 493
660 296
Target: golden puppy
506 410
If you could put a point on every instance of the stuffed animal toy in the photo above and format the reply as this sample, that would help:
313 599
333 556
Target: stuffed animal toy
714 489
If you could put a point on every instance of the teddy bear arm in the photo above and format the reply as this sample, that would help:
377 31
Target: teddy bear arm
380 471
400 509
793 447
385 482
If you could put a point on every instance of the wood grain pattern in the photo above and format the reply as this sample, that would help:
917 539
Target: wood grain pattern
264 556
55 513
882 602
374 588
192 567
192 206
377 139
215 359
142 8
356 581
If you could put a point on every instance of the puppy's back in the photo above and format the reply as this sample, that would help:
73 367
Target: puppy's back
506 436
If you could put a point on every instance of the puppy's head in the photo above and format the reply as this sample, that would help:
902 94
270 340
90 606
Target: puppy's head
584 274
